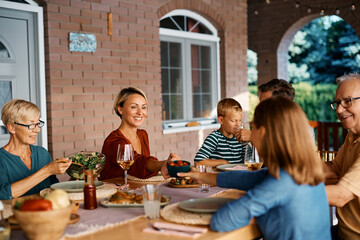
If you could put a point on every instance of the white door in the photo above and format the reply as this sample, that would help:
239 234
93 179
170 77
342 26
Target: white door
17 61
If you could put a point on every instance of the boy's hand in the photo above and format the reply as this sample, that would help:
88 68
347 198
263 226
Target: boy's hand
243 135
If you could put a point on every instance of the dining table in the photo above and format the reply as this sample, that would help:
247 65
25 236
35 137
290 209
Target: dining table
129 222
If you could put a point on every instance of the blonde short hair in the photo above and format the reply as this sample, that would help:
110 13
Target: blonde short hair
287 143
18 110
228 104
124 95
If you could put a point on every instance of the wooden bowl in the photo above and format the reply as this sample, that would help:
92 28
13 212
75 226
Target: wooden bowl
39 225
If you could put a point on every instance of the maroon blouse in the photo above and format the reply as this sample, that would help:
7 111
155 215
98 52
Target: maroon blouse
112 169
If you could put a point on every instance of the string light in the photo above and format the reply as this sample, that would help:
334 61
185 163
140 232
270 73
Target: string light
309 8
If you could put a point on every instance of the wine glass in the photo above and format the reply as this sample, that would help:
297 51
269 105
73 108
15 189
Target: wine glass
125 158
250 160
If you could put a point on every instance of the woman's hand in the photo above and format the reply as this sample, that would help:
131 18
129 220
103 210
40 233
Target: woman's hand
243 135
58 166
208 178
164 171
173 156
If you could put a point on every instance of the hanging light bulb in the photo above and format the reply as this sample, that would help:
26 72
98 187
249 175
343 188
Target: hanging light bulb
268 2
256 12
353 7
322 12
337 11
297 4
309 10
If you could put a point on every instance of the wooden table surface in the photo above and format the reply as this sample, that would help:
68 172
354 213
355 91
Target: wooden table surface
133 229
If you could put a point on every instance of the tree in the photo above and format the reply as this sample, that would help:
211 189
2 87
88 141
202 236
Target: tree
323 50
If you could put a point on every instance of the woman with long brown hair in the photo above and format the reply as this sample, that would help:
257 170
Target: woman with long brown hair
288 197
132 108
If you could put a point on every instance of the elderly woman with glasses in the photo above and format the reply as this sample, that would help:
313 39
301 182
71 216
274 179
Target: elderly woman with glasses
24 168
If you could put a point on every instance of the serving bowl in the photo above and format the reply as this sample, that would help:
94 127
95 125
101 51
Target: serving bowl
44 225
173 170
85 160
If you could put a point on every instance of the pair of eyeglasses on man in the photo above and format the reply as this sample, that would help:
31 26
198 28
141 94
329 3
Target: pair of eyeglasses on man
32 126
345 103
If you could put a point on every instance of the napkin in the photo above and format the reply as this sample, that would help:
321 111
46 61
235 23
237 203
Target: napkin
237 167
176 230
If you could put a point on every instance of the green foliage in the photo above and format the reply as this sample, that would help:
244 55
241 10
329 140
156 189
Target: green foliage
252 67
313 99
324 49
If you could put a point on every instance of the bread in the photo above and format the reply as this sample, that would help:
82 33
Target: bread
192 124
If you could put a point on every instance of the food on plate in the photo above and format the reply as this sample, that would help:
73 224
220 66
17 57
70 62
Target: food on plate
36 205
182 181
59 198
129 198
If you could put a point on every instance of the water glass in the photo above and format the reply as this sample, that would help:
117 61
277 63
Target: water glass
151 198
202 186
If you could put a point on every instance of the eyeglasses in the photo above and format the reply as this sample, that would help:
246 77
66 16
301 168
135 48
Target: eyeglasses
32 126
345 103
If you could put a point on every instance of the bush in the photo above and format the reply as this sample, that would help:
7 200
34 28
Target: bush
313 99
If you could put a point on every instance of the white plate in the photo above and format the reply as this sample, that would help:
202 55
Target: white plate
73 186
230 167
106 203
204 205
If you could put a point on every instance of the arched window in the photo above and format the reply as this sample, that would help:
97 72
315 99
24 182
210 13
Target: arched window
189 68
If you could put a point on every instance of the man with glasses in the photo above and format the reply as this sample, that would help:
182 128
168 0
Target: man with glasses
345 195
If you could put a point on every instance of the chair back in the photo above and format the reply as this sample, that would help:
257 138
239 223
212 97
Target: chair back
329 135
327 156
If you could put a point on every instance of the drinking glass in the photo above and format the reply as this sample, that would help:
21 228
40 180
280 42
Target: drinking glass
125 158
204 188
250 160
151 198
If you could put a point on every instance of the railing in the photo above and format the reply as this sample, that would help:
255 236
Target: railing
329 135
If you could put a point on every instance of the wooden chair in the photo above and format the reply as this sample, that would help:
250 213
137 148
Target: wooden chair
329 135
327 156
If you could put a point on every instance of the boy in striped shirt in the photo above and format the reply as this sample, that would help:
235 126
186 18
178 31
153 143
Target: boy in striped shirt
221 146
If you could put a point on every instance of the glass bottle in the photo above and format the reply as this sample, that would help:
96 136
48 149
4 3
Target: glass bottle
4 225
89 191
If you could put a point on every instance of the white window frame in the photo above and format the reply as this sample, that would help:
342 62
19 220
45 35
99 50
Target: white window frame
40 84
186 39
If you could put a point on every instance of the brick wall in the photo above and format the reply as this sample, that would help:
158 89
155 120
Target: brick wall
81 87
272 30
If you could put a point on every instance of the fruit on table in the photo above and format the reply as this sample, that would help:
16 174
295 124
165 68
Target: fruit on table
36 205
59 199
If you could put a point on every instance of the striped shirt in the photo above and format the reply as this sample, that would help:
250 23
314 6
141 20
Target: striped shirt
217 146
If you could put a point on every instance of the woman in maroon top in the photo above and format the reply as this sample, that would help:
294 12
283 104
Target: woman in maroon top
131 106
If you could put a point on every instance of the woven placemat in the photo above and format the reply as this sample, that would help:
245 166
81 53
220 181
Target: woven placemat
8 210
101 192
157 178
173 213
